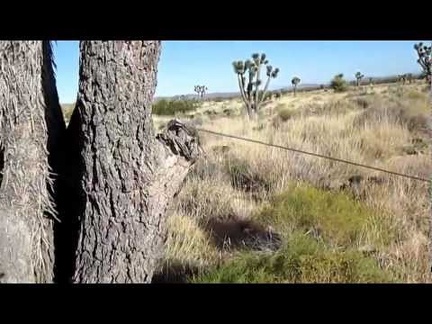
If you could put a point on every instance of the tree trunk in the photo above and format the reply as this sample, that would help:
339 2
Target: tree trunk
31 123
125 176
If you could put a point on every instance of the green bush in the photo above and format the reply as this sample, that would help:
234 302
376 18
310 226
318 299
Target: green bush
219 99
335 218
171 107
303 260
322 232
285 114
338 83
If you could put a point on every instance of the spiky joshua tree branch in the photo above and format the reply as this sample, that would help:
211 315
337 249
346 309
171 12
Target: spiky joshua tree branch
424 58
425 61
248 74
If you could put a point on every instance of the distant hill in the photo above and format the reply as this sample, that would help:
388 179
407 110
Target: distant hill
301 87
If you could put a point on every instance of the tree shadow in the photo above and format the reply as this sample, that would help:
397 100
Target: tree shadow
227 235
235 233
70 201
175 272
1 164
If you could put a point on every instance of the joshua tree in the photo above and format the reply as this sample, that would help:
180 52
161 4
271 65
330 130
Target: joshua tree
250 88
402 78
200 90
295 81
425 61
409 77
358 77
31 130
115 177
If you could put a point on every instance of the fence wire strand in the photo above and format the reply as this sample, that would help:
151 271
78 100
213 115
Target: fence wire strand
314 154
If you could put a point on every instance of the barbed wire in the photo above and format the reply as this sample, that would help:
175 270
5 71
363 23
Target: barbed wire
313 154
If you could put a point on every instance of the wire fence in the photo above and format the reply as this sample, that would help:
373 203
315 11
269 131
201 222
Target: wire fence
315 154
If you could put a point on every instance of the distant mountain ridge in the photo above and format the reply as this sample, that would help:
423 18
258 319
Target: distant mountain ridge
304 86
301 86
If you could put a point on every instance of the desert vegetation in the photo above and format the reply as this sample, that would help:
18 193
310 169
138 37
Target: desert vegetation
250 213
200 90
124 187
359 76
169 107
338 83
249 80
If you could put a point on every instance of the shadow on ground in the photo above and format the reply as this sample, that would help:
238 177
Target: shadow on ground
227 235
175 272
234 233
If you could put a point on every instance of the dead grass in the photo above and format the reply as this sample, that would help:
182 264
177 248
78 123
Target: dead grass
371 129
187 243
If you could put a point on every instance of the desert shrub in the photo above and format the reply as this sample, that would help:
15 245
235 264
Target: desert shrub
416 146
303 260
410 113
415 95
210 112
329 108
321 231
171 107
229 112
363 102
285 114
339 84
244 178
334 217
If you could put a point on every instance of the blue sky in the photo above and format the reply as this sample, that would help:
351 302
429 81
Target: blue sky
184 64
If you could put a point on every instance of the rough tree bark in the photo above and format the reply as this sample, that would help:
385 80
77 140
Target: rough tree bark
126 175
28 108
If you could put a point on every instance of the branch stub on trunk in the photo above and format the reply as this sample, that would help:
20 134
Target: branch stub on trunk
182 139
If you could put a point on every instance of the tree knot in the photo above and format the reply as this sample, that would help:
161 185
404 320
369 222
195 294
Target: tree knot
181 138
